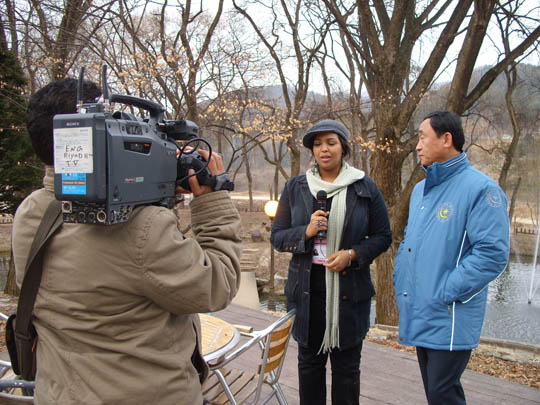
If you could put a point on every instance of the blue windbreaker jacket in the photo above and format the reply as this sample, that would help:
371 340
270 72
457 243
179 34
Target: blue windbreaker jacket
456 242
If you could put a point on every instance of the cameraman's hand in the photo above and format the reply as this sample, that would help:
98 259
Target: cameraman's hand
215 165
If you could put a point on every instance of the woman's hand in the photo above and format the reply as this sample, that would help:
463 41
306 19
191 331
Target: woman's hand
318 222
337 261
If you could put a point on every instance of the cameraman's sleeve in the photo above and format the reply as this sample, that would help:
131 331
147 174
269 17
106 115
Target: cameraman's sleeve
186 275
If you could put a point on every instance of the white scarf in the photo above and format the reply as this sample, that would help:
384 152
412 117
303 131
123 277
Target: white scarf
336 220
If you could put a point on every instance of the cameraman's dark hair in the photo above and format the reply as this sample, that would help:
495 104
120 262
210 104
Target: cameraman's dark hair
447 121
58 97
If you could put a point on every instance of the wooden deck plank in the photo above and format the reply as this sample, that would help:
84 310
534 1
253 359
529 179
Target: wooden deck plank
388 376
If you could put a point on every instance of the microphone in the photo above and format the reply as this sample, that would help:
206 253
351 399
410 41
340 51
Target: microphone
321 205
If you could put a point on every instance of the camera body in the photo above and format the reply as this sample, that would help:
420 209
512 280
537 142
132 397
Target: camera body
107 163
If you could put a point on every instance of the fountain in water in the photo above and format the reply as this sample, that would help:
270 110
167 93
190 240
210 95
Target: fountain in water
531 290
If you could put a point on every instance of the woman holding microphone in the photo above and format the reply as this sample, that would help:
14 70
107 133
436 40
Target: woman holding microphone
334 221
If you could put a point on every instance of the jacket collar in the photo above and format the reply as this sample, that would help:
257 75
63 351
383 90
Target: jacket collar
438 173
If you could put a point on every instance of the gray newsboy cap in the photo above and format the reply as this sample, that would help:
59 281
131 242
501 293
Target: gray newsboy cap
323 127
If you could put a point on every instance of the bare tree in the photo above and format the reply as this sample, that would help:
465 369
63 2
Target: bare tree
48 37
12 27
285 23
238 67
358 115
506 29
171 56
384 35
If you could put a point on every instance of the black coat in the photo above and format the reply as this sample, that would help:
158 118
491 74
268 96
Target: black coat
366 230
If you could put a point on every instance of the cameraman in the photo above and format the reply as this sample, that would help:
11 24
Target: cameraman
116 308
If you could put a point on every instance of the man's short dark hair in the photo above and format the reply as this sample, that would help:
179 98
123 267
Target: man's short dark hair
447 121
58 97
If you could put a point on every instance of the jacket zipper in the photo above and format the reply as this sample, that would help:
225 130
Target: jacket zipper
453 324
454 303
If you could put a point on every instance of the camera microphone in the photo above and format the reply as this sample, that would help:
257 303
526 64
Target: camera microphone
321 205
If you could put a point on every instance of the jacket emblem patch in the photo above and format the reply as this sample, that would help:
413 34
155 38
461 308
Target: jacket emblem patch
445 212
493 198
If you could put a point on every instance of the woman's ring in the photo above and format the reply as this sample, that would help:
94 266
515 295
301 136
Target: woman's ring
319 223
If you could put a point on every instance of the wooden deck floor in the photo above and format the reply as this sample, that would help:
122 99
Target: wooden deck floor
388 376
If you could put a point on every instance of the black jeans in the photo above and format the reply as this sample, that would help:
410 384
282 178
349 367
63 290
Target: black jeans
345 375
441 372
312 366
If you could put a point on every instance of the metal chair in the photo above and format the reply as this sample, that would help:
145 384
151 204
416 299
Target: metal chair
13 391
238 386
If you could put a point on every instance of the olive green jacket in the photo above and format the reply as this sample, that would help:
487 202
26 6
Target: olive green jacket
115 309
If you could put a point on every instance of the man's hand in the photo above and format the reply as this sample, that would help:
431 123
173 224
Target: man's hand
215 165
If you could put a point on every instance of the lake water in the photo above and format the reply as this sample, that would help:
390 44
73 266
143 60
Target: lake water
508 314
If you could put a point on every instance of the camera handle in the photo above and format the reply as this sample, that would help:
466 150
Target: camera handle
156 110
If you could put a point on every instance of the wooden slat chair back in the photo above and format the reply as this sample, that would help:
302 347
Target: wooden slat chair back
230 386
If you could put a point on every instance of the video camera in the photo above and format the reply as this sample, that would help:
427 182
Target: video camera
107 163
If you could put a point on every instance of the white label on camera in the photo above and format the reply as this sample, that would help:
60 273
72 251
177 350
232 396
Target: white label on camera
73 150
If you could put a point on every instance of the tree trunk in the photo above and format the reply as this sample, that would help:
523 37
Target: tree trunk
272 281
294 153
276 184
365 161
513 200
248 172
192 111
386 171
476 32
511 78
355 155
220 141
66 44
386 308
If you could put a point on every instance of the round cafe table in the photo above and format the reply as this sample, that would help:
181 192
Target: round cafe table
218 337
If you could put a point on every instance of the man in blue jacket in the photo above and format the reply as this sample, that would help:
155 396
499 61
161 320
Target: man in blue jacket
456 242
